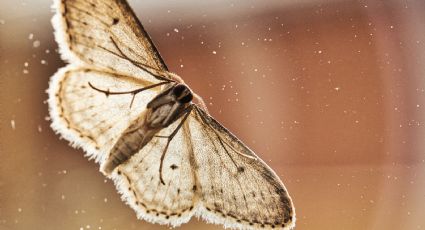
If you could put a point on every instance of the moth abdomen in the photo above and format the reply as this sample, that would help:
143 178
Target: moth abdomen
130 143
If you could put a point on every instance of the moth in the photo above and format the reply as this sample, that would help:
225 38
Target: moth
150 133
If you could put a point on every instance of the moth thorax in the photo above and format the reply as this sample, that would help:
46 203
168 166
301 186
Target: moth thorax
182 93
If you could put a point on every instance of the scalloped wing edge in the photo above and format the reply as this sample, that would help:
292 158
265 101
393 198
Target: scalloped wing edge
141 213
59 26
199 211
59 126
228 223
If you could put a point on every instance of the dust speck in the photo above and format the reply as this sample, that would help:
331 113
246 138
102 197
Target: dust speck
36 44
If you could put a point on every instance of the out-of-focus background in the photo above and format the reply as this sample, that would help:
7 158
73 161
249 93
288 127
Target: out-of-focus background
331 94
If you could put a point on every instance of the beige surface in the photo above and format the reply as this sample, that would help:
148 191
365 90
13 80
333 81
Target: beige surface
331 96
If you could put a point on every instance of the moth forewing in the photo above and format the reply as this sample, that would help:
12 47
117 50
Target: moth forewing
106 35
242 191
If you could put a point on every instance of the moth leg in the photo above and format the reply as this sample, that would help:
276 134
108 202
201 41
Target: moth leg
132 92
186 111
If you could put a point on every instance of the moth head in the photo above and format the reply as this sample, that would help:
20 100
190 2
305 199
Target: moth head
182 93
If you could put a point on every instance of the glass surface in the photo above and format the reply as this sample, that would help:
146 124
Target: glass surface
331 94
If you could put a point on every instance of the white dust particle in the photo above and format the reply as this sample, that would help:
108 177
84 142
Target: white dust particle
30 36
25 71
63 197
36 43
12 123
181 66
39 128
105 200
337 88
26 64
214 52
319 51
176 30
19 209
43 62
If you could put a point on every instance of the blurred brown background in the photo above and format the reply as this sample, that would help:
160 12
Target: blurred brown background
331 94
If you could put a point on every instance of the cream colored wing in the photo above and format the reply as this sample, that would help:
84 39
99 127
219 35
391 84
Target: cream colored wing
236 188
138 180
106 34
88 118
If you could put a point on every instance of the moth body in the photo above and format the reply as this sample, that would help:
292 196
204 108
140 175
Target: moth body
161 111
